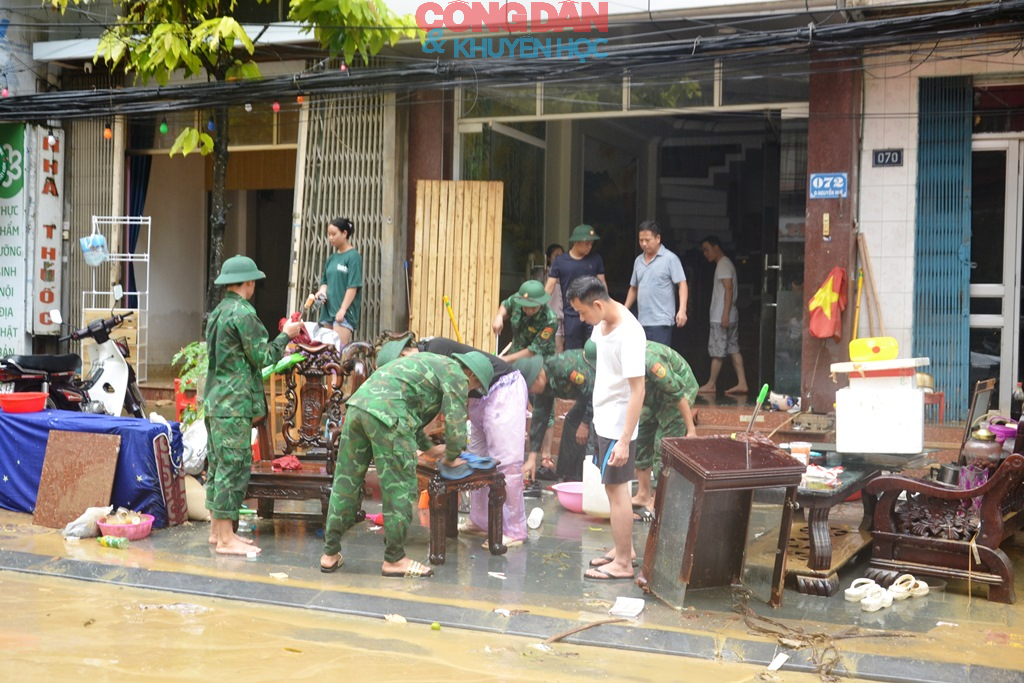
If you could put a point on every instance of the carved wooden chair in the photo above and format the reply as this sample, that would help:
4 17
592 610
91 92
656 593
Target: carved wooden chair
328 379
943 531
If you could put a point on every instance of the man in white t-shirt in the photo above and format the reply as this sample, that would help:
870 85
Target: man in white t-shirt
724 338
618 398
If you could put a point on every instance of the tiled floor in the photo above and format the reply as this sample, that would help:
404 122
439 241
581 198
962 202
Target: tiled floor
941 636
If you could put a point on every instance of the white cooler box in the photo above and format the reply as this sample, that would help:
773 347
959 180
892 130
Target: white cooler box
882 411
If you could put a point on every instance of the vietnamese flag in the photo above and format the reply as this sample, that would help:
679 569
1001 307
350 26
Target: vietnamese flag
827 305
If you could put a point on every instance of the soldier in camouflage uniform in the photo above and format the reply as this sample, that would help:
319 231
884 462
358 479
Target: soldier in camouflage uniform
533 322
384 421
669 392
568 375
498 422
238 349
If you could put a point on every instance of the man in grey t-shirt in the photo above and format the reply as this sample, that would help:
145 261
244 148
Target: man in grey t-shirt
657 273
724 338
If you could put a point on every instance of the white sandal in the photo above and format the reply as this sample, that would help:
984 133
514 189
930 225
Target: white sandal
918 588
876 599
901 587
858 589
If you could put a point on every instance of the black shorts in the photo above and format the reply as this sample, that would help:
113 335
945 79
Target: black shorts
622 474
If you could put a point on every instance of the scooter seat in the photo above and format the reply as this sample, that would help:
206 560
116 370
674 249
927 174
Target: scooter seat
68 362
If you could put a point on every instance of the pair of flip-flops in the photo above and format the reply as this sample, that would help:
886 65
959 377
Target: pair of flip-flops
472 463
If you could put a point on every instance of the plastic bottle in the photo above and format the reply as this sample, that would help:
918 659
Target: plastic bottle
1016 402
113 542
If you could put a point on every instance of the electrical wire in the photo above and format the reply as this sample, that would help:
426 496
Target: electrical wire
832 46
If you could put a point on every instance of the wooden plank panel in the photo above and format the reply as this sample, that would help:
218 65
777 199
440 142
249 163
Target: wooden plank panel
497 210
457 252
419 247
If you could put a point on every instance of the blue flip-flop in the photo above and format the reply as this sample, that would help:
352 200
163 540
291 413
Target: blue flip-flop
479 462
453 472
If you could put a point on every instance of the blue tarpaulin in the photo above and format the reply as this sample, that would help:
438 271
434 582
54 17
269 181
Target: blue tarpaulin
137 481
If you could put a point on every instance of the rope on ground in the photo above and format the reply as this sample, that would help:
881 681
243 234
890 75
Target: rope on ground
825 655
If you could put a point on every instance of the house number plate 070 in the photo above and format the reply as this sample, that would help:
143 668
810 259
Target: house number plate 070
887 157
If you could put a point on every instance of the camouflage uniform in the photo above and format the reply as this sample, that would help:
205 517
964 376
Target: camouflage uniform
667 380
238 349
384 419
570 377
534 332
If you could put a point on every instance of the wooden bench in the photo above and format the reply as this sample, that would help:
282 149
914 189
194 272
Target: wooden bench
940 531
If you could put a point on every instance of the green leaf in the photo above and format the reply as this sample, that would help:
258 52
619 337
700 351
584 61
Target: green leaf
186 142
207 144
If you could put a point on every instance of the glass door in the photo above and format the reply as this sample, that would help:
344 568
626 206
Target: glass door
995 289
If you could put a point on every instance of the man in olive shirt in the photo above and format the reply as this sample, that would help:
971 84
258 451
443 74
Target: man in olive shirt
670 389
568 375
238 349
383 419
533 322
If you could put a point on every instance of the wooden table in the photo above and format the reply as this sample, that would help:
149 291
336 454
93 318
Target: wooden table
818 550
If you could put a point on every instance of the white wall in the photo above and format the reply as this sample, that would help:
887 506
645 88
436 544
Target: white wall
888 195
177 203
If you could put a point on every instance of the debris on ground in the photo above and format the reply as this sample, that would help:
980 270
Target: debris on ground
825 655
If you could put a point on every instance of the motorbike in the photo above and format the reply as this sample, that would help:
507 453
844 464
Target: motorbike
110 385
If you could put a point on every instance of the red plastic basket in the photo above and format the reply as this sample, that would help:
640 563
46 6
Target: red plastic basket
23 402
132 532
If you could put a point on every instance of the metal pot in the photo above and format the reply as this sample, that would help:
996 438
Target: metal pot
947 474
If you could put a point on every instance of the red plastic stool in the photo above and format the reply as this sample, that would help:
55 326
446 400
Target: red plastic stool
181 401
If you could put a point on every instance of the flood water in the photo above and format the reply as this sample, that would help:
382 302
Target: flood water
61 630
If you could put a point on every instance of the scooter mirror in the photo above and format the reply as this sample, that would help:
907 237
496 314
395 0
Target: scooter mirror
116 293
56 317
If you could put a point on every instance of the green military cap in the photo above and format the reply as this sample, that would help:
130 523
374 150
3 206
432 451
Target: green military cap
530 366
583 233
238 269
531 293
590 351
478 364
391 350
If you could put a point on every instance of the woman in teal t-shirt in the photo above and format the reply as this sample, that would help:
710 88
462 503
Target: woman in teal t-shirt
341 285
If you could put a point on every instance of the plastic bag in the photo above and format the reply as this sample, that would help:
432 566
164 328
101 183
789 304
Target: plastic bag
194 453
85 526
595 498
94 249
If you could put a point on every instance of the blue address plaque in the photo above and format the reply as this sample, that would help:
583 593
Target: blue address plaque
829 186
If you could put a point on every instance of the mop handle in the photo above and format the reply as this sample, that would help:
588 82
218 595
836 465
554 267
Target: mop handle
451 314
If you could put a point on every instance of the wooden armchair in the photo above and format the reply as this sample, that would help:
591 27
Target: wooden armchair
329 378
941 531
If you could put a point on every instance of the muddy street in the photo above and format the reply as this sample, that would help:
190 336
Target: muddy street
66 629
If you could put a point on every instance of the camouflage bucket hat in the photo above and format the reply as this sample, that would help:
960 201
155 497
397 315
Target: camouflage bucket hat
238 269
583 233
391 350
531 293
478 364
530 367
